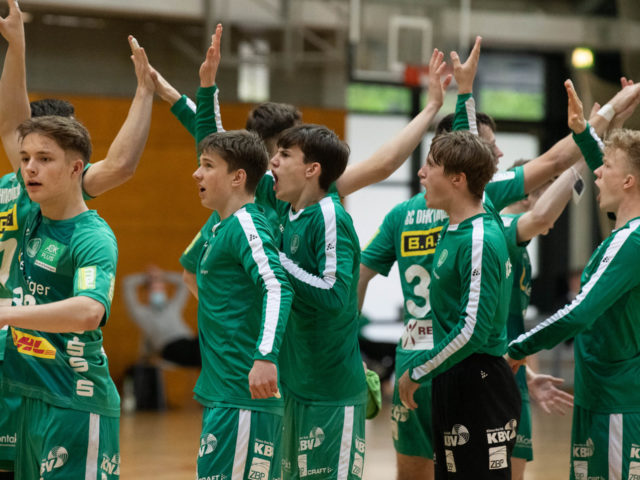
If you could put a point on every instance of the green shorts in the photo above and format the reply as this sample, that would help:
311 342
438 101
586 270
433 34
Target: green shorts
238 443
605 445
412 429
322 442
9 405
60 443
524 443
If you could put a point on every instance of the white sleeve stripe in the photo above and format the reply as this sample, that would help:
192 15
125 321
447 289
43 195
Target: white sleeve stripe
272 311
595 136
471 311
607 258
470 107
216 111
191 105
328 279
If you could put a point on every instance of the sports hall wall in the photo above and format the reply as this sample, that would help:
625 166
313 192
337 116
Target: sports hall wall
156 214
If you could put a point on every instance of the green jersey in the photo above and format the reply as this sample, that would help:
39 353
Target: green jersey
244 302
60 259
469 293
321 360
604 319
521 290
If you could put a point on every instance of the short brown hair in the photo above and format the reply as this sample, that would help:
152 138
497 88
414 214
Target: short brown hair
67 132
270 119
318 144
629 142
241 150
464 152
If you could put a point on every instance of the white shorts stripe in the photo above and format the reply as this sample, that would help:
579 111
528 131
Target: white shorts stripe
345 444
615 446
242 444
91 466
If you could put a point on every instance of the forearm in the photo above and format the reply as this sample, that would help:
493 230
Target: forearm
191 282
208 118
388 158
184 109
590 146
74 314
465 116
126 149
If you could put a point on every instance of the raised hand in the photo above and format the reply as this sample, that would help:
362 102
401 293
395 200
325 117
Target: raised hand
209 67
465 73
623 116
575 112
144 73
437 88
543 390
11 26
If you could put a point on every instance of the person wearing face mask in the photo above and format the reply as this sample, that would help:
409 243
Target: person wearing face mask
159 315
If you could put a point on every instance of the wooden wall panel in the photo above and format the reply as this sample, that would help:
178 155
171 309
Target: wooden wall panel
156 214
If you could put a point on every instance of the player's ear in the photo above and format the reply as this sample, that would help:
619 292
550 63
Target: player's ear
312 169
239 178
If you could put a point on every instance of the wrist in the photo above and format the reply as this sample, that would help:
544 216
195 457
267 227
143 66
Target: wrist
607 111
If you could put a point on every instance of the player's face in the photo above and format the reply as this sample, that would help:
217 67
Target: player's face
288 169
437 184
611 177
214 180
485 133
48 171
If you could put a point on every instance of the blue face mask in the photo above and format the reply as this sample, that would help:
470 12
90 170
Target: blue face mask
158 300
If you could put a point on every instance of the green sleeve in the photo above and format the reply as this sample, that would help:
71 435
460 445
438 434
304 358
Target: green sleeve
613 277
208 119
331 288
259 257
476 315
380 253
185 111
590 145
95 255
465 116
506 187
510 223
190 257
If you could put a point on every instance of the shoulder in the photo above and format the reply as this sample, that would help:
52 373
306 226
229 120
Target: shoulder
92 230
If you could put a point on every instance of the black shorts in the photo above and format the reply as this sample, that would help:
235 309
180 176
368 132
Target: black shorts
476 410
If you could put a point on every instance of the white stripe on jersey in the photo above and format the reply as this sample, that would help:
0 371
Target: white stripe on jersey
477 244
242 444
191 105
470 107
216 111
345 444
328 279
595 136
615 446
91 464
272 310
612 250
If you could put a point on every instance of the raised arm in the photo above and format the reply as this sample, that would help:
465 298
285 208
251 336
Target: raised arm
388 158
124 153
208 118
14 102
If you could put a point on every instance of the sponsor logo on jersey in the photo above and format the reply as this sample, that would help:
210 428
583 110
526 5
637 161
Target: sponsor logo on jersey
214 477
8 440
49 255
418 335
523 441
634 471
419 242
87 278
360 444
313 440
580 469
399 413
263 448
507 267
498 457
424 216
358 465
302 464
208 443
56 458
33 346
294 244
583 450
443 257
503 434
112 286
110 464
458 436
451 463
259 469
9 220
635 451
502 176
33 246
9 194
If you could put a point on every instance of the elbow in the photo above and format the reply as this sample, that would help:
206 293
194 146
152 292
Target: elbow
542 223
92 316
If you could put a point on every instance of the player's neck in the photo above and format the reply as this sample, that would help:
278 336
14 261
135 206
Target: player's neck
309 195
234 203
462 208
628 209
64 206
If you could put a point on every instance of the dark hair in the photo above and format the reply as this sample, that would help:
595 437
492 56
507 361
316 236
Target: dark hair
446 124
51 106
629 142
270 119
464 152
318 144
241 150
67 132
